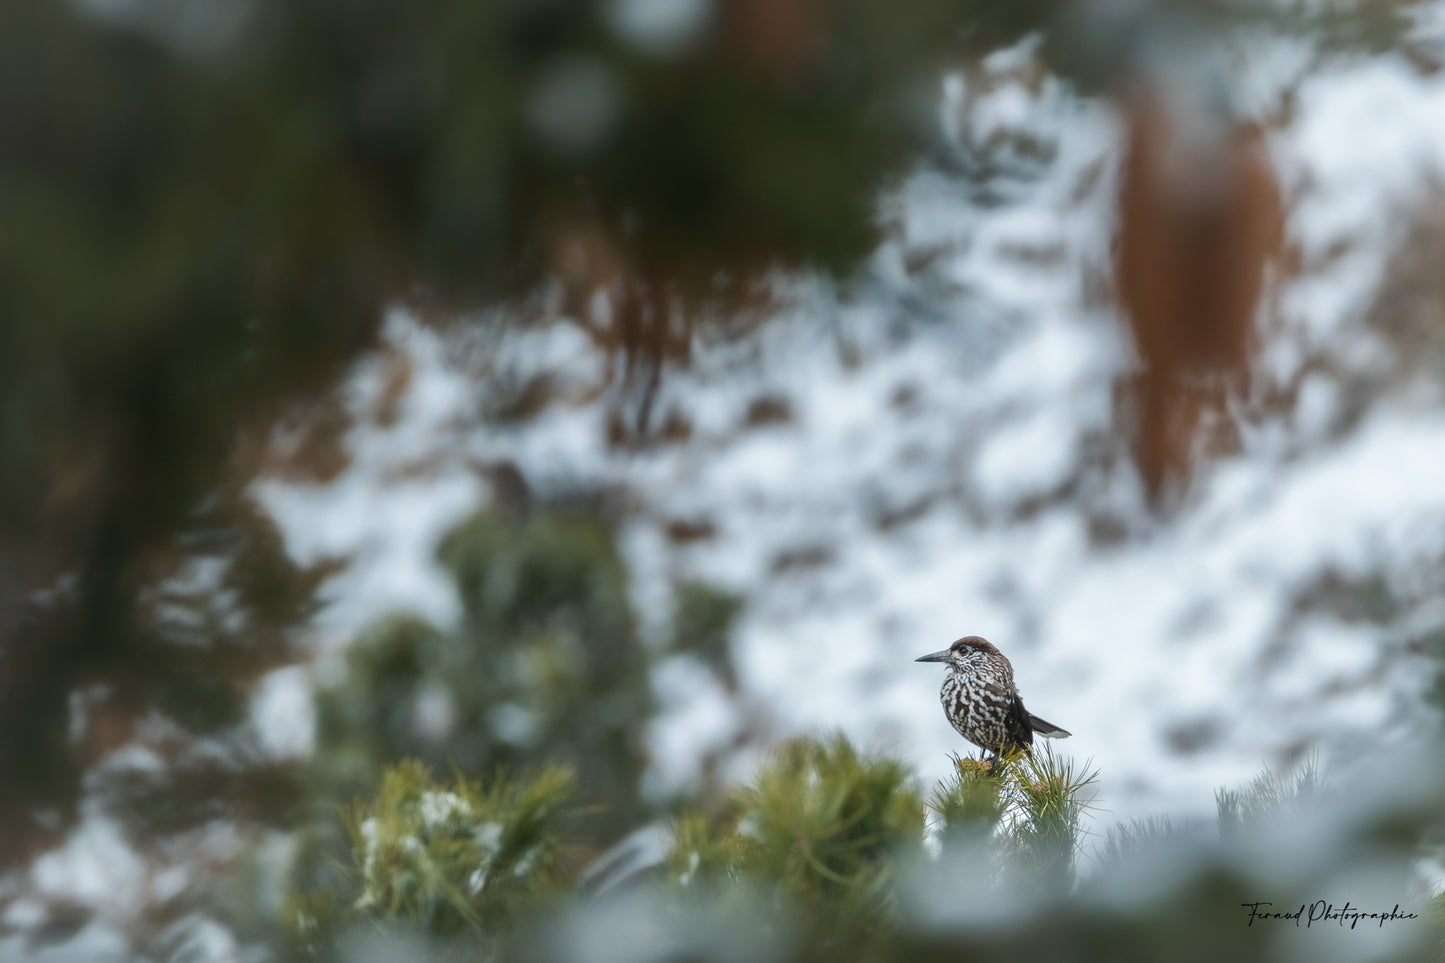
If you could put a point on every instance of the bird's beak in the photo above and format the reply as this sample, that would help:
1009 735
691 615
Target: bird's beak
940 656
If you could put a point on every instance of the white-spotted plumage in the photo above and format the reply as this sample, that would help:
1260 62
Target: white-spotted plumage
981 701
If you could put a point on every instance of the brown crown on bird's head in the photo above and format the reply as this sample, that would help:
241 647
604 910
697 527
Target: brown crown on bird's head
974 642
961 650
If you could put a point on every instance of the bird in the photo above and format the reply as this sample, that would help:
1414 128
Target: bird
981 701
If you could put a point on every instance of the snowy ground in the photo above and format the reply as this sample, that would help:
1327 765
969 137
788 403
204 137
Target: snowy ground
949 459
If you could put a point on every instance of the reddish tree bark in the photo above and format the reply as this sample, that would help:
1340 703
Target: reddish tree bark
1199 219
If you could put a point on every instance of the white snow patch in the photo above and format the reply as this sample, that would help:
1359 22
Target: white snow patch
95 866
1035 456
440 808
284 712
698 717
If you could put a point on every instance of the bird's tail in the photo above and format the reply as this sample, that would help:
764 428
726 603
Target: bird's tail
1047 729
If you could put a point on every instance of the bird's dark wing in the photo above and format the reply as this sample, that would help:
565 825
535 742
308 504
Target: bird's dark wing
1019 732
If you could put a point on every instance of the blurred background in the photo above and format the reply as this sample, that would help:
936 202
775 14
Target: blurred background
636 384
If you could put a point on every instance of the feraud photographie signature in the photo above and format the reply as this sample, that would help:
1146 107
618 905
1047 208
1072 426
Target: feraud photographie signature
1321 911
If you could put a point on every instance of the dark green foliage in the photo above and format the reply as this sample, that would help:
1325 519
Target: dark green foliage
708 850
551 571
547 664
370 718
1049 798
179 262
1434 646
700 160
829 831
969 804
1021 815
1437 919
826 824
702 623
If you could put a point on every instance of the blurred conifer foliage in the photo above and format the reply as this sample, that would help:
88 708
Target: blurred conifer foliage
547 664
460 855
205 209
832 853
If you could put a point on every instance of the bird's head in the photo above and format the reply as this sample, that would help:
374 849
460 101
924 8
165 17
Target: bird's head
960 653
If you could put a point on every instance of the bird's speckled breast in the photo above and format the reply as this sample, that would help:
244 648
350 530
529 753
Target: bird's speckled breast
977 695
